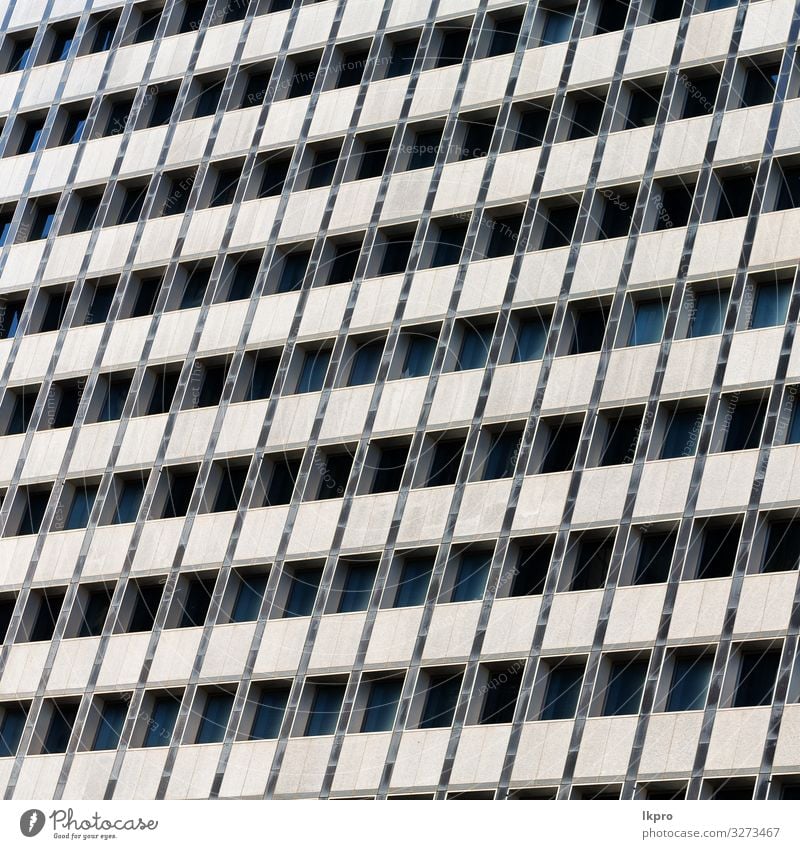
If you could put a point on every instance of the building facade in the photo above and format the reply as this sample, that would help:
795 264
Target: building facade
398 399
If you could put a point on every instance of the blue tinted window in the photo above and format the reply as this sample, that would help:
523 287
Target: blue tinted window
215 718
381 706
302 592
474 348
557 25
419 356
357 587
269 714
689 686
11 730
325 710
529 341
312 374
708 312
81 508
772 301
110 727
161 722
249 598
682 433
563 689
413 585
365 364
471 578
624 690
648 322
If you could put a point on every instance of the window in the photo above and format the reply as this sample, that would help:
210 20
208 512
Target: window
86 214
505 36
109 728
344 263
787 177
249 596
622 436
161 721
82 502
118 114
6 220
441 700
531 569
706 312
396 251
358 583
129 499
735 191
771 303
624 689
352 68
532 126
448 247
381 707
10 315
93 612
760 82
477 137
323 167
587 112
207 98
530 337
270 708
473 570
193 15
474 347
689 685
700 93
145 600
391 462
559 226
179 486
275 169
178 189
104 31
366 359
303 587
502 691
742 422
719 543
293 271
244 279
419 355
215 716
325 709
445 462
165 383
758 670
655 556
425 149
73 127
557 24
262 379
302 83
34 504
65 397
648 321
195 602
611 16
256 86
225 189
60 728
681 432
100 306
591 563
282 481
44 624
401 59
163 107
43 218
373 159
782 552
6 612
412 587
20 54
148 26
453 46
502 455
563 689
335 471
505 231
146 297
588 328
22 411
673 205
31 136
312 373
12 725
643 107
212 382
617 211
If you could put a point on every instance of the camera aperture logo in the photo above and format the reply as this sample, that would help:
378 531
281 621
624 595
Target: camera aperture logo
65 825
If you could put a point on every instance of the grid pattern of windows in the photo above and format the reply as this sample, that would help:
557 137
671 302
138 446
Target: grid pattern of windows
330 418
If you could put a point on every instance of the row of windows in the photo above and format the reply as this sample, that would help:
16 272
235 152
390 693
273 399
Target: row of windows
712 553
618 687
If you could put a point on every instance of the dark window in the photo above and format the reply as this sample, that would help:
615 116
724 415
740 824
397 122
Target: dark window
473 570
82 502
701 94
401 60
244 280
323 168
746 418
62 42
325 709
128 501
446 460
707 312
235 10
44 625
589 328
31 136
586 116
225 190
441 701
269 713
344 263
643 107
756 682
690 677
274 176
148 26
24 403
118 116
425 149
105 30
161 722
281 485
373 159
396 252
303 79
529 339
6 219
648 322
453 47
34 503
165 385
212 385
734 198
673 206
381 707
179 492
681 433
531 570
20 54
73 128
532 127
230 488
617 214
622 436
100 307
504 37
193 16
414 579
208 99
563 689
6 611
94 612
357 588
10 315
788 178
112 718
612 15
501 696
352 68
60 728
557 24
449 245
335 472
146 297
655 556
591 564
366 360
249 598
718 553
178 190
11 728
389 468
256 88
145 607
195 289
665 10
759 84
214 721
312 374
294 270
88 207
262 379
196 602
56 307
44 216
302 592
560 226
162 109
419 355
503 454
624 689
505 232
783 546
477 139
474 349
